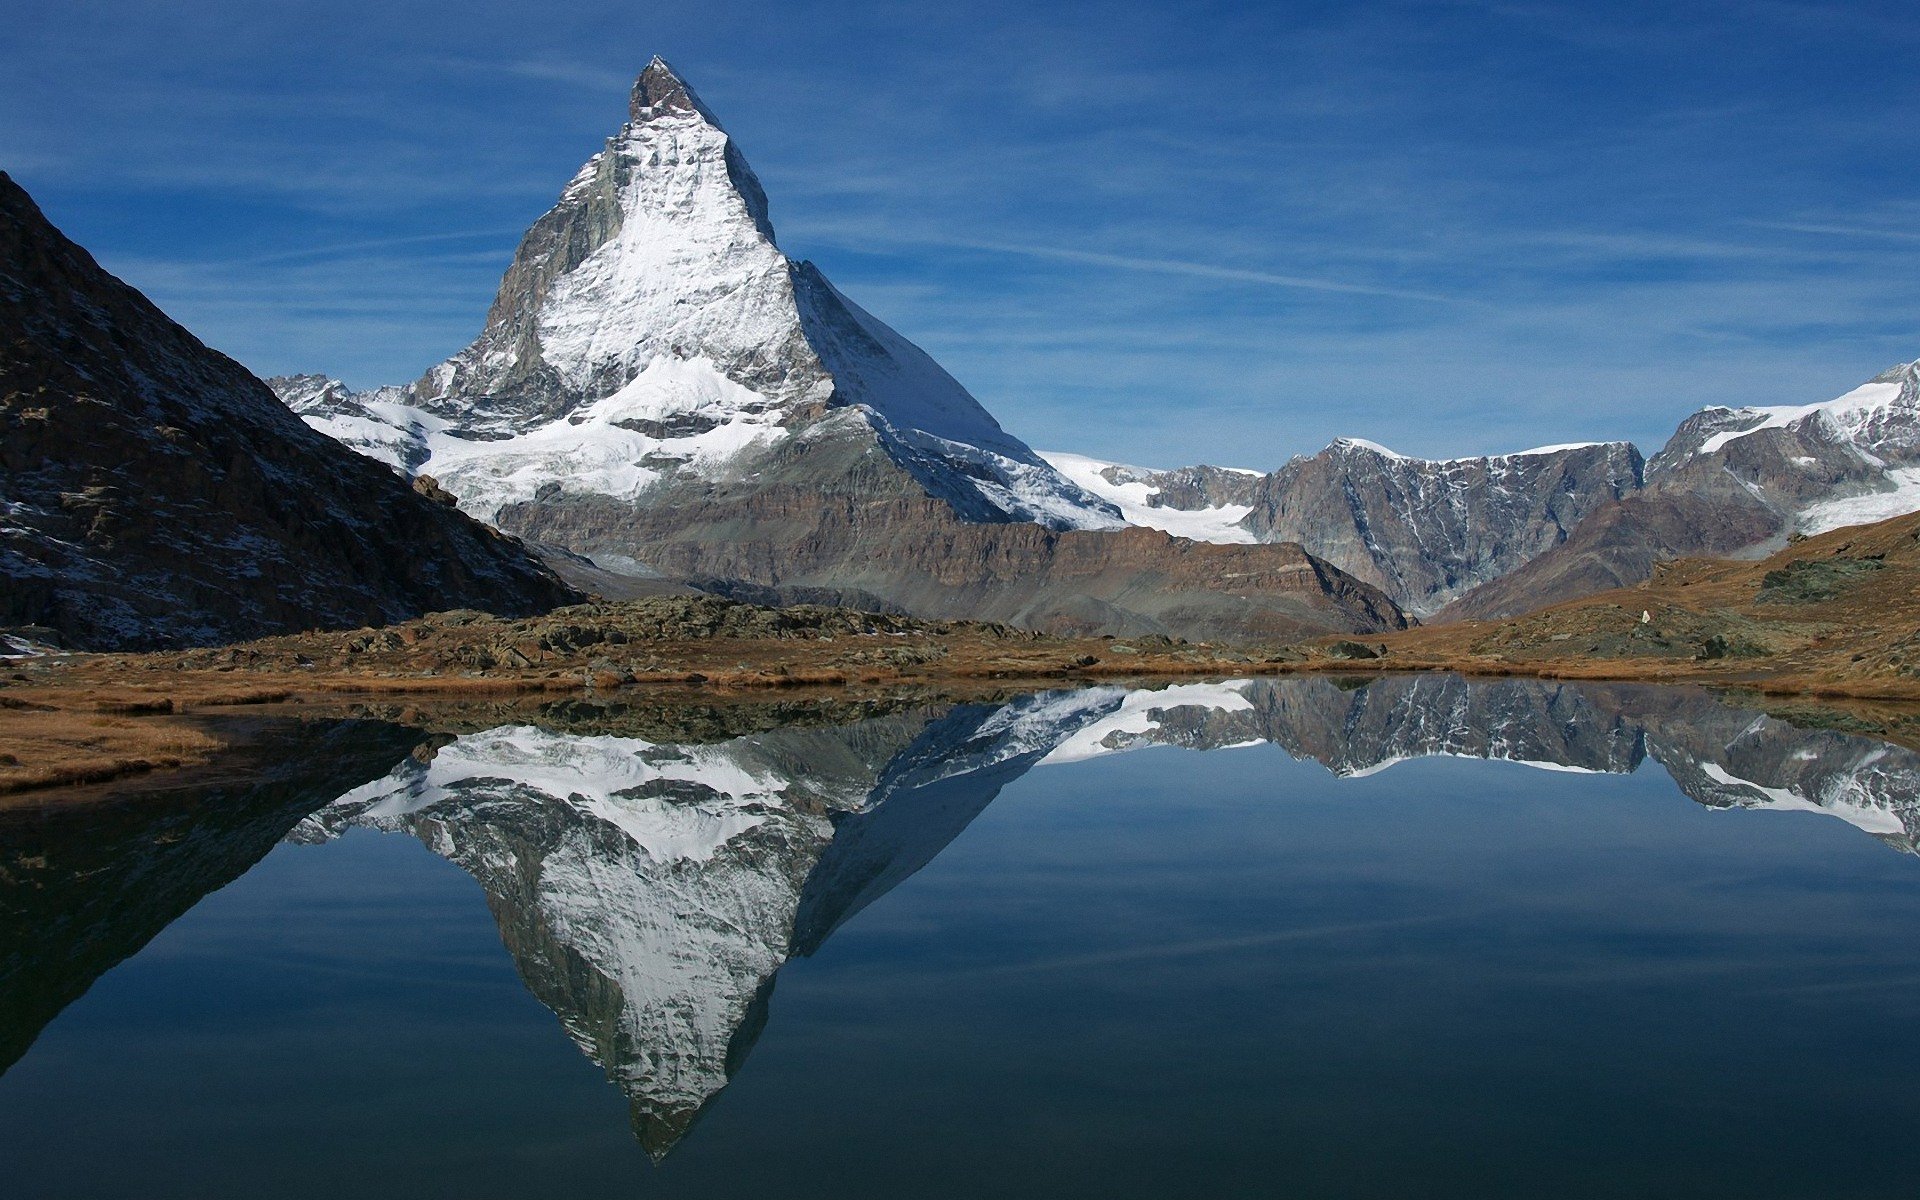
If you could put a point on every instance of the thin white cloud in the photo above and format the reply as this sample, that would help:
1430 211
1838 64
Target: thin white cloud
1202 270
864 236
581 75
1855 231
347 249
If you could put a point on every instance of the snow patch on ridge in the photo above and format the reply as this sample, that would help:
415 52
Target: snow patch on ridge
674 414
617 447
1863 510
1217 524
1849 804
600 777
1849 413
1537 451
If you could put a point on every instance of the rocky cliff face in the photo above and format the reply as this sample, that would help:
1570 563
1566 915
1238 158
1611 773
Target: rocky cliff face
1425 531
830 519
156 494
1619 545
1736 482
660 387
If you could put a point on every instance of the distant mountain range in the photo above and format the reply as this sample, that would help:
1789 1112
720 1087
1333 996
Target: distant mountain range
660 397
659 388
1501 534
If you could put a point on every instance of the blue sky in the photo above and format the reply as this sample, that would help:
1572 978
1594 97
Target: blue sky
1158 233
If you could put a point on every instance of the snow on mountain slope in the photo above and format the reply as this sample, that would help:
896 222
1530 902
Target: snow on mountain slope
628 784
380 424
1820 466
1140 718
1878 415
1140 495
1535 452
650 330
1902 498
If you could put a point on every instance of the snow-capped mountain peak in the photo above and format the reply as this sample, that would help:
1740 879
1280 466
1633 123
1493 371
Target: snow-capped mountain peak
651 331
1845 461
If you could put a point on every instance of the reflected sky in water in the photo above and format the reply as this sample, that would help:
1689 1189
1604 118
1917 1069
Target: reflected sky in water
1421 937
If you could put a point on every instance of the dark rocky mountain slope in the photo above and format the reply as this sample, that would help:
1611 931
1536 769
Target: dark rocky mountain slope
1426 531
154 493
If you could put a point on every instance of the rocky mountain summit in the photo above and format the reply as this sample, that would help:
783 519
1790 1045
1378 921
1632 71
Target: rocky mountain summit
1426 531
1496 535
1736 483
660 388
156 494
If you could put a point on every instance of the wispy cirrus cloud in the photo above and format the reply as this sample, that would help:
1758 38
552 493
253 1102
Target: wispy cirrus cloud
1451 227
1845 231
1201 270
502 233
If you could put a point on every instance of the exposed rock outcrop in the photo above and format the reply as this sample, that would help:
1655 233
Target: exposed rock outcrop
1425 531
1735 482
153 493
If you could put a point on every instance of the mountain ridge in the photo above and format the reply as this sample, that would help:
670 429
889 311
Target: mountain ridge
155 493
1482 536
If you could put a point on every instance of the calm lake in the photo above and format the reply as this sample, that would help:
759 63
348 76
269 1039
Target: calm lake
1413 938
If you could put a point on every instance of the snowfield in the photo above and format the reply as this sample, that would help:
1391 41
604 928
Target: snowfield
1218 524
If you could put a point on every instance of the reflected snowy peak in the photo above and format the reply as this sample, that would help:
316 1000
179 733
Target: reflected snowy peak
650 892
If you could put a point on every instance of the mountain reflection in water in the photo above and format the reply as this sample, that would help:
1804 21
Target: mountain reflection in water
650 887
650 893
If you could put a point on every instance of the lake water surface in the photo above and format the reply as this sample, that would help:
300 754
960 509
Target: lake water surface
1419 937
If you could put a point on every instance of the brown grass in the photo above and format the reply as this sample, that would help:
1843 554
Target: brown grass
52 748
134 708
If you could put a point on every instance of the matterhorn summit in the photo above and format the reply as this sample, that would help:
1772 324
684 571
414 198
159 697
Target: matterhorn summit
650 332
659 388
